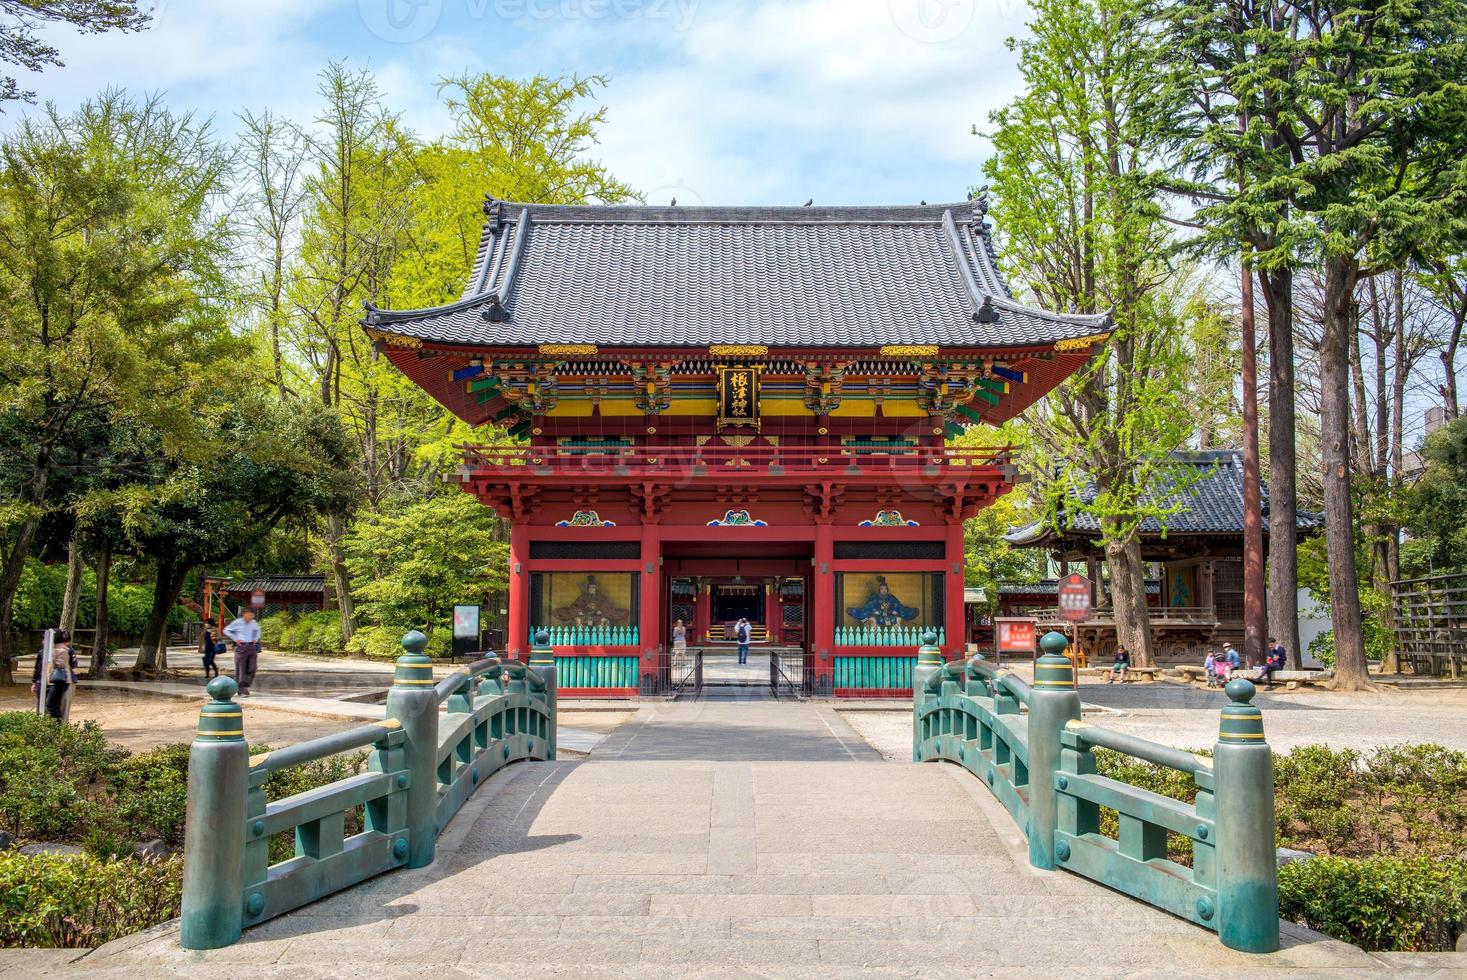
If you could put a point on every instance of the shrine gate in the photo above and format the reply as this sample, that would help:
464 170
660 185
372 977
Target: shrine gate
718 414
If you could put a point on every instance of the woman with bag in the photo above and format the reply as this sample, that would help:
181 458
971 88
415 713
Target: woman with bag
60 679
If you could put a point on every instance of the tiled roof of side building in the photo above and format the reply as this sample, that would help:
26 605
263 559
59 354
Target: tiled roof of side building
694 276
279 583
1208 500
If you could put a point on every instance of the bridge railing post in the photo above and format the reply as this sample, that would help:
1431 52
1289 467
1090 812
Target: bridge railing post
1054 702
1247 864
413 704
929 661
213 863
542 662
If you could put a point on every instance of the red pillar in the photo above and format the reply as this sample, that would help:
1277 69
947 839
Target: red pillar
823 603
953 593
649 619
772 615
516 642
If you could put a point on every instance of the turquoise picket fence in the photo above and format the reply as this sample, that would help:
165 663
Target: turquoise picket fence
590 636
901 635
584 672
874 673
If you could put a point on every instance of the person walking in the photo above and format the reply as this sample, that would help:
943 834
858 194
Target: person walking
1119 667
679 638
209 648
60 678
1209 667
742 633
245 633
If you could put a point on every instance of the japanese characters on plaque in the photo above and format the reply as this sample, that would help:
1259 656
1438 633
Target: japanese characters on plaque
738 396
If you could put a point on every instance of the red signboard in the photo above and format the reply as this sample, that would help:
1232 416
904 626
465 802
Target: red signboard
1015 635
1074 597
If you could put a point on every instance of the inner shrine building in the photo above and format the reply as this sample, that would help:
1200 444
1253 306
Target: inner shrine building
725 413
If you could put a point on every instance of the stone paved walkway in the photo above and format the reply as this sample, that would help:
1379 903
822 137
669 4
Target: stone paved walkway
725 839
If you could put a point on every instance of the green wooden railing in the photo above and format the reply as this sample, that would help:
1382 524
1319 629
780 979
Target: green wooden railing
424 764
593 672
1027 744
874 673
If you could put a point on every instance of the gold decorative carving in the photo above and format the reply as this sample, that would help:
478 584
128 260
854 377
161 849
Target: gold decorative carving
738 350
909 350
567 350
395 339
1081 343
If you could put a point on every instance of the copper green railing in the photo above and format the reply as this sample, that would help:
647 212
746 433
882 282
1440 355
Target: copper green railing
1027 744
425 762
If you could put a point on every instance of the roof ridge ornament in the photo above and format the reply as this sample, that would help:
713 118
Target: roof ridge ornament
494 211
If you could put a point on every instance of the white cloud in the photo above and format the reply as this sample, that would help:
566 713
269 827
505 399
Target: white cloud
734 101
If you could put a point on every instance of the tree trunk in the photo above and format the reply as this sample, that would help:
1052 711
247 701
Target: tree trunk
1351 669
1283 508
103 637
1254 601
9 585
1128 596
72 597
153 649
334 534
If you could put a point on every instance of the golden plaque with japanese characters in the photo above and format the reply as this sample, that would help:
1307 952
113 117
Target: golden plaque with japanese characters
738 396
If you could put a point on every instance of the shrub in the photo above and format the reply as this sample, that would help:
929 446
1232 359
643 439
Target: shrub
71 901
1379 903
47 770
151 793
313 632
384 642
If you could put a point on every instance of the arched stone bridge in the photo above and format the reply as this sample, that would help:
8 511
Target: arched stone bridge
703 838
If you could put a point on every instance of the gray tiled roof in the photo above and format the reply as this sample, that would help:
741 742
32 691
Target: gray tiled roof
1050 586
847 276
1210 501
280 583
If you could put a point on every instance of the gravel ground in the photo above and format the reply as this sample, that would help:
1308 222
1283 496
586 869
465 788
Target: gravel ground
139 723
1355 721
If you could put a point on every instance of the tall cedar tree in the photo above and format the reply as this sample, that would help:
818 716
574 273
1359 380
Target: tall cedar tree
1380 108
1082 227
1226 64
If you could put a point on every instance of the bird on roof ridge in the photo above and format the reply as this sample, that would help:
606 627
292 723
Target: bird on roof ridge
809 202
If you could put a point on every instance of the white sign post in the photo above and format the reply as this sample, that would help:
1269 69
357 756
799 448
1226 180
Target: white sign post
44 674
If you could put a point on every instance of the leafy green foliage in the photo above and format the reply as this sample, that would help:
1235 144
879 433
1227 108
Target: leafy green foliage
1379 903
71 901
314 632
413 564
42 587
1438 501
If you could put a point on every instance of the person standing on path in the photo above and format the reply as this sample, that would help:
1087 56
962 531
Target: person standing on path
679 638
742 633
209 648
245 633
61 678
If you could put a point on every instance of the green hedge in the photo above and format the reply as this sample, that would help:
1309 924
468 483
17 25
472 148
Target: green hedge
1379 903
55 900
315 632
42 588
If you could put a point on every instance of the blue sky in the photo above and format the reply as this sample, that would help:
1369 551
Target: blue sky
727 102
